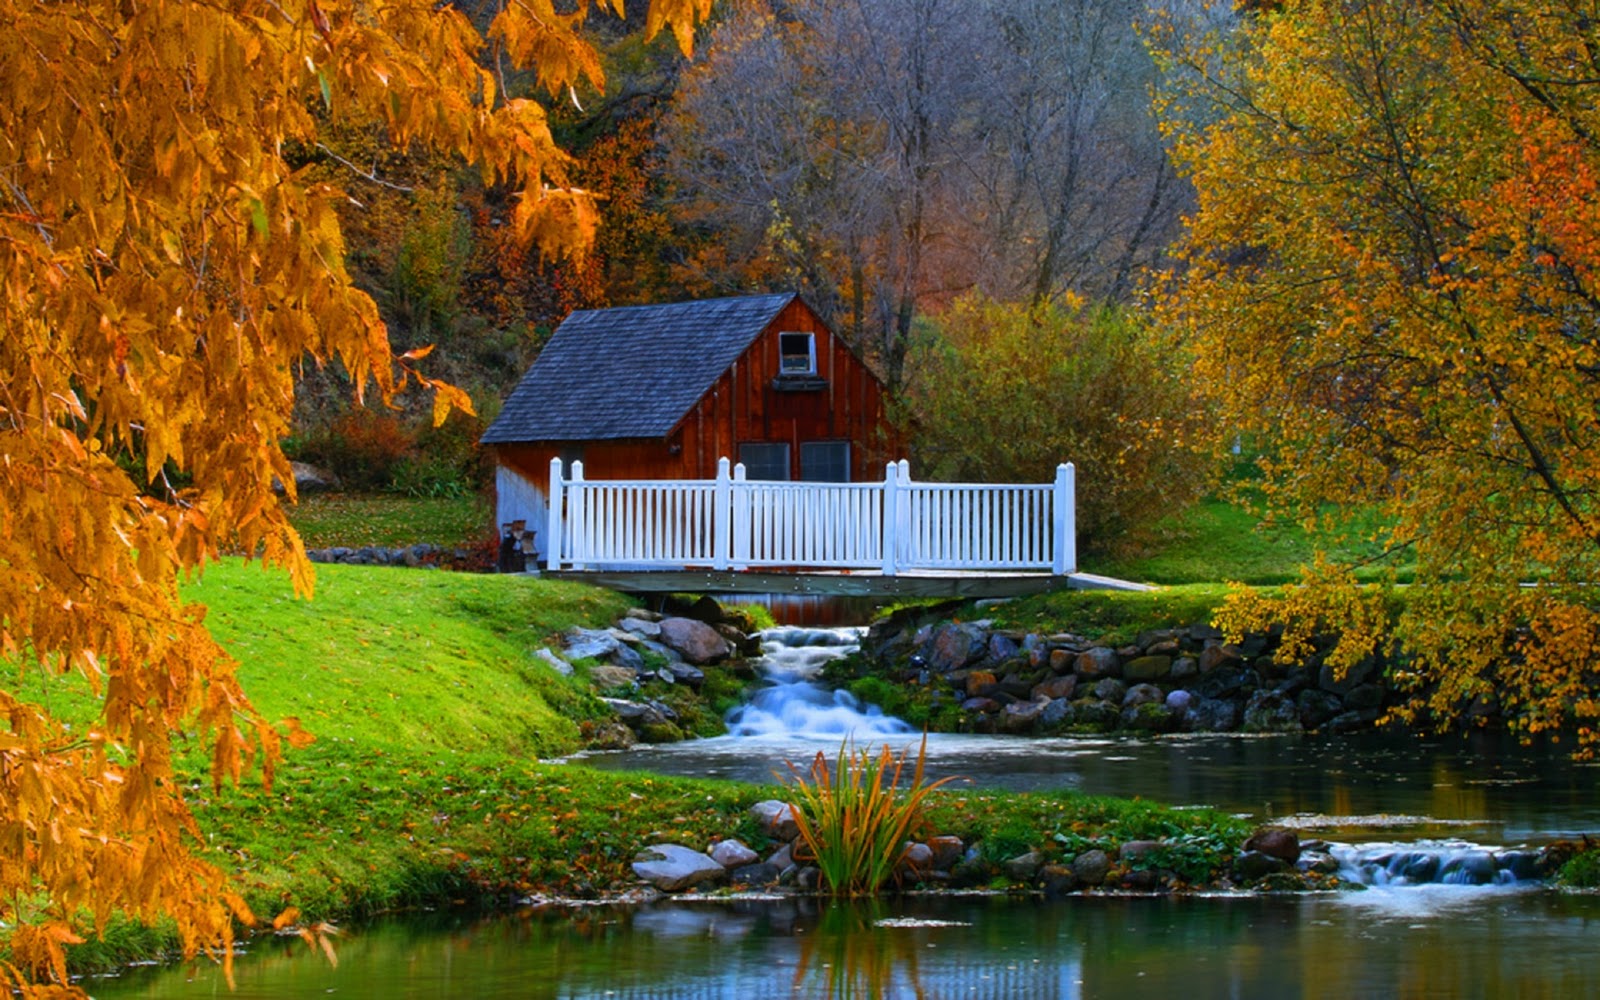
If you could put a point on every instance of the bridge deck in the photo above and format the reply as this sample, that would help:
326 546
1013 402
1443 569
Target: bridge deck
953 583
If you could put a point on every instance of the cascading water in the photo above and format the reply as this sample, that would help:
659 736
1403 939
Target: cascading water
1434 862
793 704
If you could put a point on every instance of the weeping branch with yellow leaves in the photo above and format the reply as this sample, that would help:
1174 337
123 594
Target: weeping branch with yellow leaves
165 270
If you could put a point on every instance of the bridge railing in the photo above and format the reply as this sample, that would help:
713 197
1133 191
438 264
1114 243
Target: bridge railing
893 526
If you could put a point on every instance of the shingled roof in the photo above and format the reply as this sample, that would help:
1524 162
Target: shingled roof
630 372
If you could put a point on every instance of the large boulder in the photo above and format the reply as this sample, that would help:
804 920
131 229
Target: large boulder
674 868
694 640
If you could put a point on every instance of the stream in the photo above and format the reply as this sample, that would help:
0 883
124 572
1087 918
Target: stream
1434 826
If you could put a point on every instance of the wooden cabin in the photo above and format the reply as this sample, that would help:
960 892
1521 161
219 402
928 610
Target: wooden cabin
664 391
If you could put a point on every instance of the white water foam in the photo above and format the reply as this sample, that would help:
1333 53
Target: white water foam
794 705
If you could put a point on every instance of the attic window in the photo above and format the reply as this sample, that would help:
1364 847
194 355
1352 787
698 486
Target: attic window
797 354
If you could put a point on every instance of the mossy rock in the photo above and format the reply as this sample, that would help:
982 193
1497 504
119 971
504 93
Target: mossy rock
660 732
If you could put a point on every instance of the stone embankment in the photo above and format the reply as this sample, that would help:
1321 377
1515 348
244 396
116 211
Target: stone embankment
1272 859
1169 680
652 652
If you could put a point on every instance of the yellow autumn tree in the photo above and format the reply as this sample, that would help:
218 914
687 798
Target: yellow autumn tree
166 268
1392 278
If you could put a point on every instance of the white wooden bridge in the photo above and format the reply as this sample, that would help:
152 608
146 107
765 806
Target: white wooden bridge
894 536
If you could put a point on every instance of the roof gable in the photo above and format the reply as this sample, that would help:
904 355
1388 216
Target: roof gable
632 371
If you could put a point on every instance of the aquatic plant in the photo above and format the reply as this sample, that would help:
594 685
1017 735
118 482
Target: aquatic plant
854 817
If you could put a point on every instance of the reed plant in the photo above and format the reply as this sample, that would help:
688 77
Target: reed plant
855 819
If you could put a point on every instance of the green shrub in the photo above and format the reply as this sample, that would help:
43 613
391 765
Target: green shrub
1001 392
1582 871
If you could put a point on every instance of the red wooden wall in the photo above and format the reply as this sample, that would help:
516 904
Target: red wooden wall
742 406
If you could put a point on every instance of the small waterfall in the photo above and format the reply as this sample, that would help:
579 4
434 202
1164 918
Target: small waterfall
794 704
1434 862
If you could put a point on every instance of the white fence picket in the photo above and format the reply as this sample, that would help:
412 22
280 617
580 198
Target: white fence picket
892 526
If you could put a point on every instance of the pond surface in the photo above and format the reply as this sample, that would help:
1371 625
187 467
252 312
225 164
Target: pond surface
1479 788
1436 941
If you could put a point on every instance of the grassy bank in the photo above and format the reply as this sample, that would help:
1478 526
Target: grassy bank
423 786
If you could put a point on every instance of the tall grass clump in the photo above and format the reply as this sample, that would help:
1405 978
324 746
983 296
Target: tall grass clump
854 818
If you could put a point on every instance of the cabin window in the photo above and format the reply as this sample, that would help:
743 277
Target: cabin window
825 461
797 354
765 460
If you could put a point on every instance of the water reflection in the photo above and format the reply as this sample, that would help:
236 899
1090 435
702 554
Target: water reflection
1479 788
1459 942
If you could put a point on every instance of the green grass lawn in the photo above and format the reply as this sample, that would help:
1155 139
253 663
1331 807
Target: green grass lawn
1218 541
328 519
421 658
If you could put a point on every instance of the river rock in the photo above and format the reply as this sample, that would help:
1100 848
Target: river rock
1002 648
1271 712
589 644
1147 668
1469 868
698 642
916 858
1021 717
980 706
947 850
1179 701
1275 841
776 819
1062 660
1091 867
673 868
1057 880
607 676
1330 679
1098 662
1142 694
1211 715
1095 713
1057 714
1024 867
682 673
1317 707
1223 682
1184 667
1056 687
1252 866
732 853
1110 689
982 684
554 662
954 646
1364 696
642 627
1218 654
1149 717
758 874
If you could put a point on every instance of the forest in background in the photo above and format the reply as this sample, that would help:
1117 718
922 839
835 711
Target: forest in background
906 165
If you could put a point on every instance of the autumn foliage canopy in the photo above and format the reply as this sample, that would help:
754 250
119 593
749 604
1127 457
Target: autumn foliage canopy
167 264
1394 275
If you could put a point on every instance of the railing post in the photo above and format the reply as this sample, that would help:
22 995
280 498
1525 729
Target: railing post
553 536
721 529
577 526
1066 521
740 495
891 519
